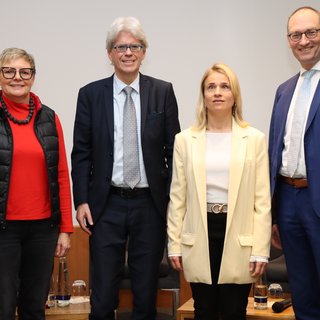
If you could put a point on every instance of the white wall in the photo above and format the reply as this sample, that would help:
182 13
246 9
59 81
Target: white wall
67 39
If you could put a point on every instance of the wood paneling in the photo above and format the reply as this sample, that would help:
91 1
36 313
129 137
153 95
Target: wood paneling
185 290
77 258
78 265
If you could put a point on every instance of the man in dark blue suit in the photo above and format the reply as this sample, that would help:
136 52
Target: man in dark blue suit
295 165
116 213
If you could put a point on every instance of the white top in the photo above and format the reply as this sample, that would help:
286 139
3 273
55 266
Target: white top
301 170
218 154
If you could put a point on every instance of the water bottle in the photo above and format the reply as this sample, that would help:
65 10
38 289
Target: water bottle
63 287
260 293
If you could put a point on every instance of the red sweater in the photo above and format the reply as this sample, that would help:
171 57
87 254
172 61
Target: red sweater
29 197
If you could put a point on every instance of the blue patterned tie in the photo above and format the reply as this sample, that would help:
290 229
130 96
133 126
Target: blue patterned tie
131 168
298 121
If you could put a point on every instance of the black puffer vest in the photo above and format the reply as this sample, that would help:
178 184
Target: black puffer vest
46 132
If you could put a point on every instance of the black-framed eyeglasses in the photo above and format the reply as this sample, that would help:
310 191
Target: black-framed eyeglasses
25 73
125 47
297 36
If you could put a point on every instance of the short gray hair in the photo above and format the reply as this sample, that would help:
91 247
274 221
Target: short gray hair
10 54
127 24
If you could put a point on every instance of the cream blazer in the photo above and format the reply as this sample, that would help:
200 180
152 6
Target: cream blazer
248 229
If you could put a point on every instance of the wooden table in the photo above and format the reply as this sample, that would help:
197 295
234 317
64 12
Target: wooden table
72 312
185 312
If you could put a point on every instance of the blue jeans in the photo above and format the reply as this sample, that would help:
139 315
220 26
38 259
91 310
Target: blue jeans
27 257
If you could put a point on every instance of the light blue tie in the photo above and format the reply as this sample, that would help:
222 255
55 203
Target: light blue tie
298 122
131 168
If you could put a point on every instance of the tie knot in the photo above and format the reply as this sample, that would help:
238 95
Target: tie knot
308 74
127 90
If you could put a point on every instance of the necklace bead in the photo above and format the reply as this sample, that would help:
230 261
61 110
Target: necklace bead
15 120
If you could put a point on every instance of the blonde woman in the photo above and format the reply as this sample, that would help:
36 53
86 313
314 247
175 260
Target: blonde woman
219 220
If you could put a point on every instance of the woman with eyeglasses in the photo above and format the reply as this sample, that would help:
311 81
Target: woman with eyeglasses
35 198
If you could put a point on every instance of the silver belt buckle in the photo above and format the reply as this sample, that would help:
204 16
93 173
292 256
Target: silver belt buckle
217 208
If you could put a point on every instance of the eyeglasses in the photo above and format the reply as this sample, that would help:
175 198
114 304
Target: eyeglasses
125 47
10 73
297 36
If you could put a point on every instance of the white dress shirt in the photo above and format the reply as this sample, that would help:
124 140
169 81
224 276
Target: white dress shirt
301 170
119 98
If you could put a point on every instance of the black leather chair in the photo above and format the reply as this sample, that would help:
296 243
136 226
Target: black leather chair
276 271
169 280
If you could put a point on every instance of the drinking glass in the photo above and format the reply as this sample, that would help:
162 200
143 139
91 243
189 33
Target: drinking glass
275 291
79 289
51 294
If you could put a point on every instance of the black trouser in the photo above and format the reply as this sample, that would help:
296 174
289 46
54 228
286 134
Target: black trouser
26 264
138 220
223 301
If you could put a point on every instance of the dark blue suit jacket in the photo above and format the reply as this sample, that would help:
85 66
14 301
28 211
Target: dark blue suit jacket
92 154
311 138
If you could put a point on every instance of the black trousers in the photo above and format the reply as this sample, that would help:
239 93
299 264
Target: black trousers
219 301
26 264
137 221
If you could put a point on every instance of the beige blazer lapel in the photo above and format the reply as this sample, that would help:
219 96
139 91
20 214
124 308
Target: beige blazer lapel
198 150
237 161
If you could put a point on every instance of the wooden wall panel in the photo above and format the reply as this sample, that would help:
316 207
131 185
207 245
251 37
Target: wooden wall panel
78 265
77 258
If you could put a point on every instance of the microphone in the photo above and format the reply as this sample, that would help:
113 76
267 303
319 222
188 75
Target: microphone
279 306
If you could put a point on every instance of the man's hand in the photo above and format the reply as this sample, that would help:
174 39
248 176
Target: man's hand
84 217
275 239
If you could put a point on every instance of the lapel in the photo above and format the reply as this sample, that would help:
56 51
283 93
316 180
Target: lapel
108 105
198 155
314 106
144 94
283 109
239 142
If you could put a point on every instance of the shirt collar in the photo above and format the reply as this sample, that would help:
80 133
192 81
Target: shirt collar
119 85
315 67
